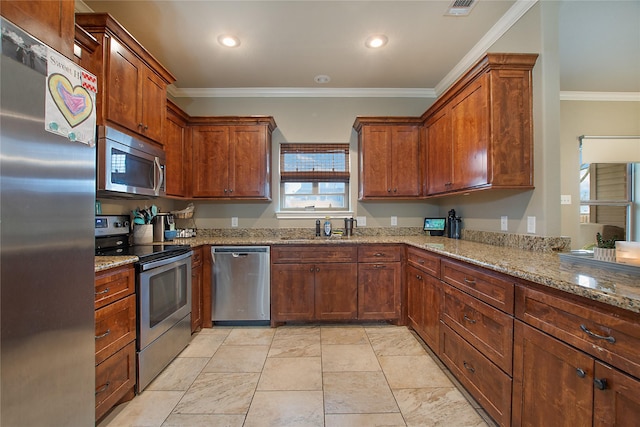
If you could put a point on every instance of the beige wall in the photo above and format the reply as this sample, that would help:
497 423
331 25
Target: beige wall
588 118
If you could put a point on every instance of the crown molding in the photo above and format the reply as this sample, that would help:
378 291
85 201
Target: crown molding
512 16
600 96
300 92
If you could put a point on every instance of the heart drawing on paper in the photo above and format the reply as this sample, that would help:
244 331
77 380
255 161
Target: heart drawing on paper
74 102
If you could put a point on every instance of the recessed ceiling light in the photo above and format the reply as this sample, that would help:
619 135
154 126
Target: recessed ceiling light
228 41
376 41
322 79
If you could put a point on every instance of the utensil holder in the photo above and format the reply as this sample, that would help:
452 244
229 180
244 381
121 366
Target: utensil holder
142 233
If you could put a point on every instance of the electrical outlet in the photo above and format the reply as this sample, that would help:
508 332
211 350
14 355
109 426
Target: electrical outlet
234 221
362 221
565 199
394 221
504 223
531 224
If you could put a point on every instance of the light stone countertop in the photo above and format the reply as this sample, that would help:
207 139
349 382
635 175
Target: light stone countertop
613 288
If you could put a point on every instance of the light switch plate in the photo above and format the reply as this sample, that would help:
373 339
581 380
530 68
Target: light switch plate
234 221
504 223
565 199
531 224
394 220
362 221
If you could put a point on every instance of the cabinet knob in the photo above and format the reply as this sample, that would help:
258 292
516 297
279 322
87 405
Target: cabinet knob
388 190
311 270
601 383
225 190
230 190
140 125
468 367
580 372
395 190
317 269
419 277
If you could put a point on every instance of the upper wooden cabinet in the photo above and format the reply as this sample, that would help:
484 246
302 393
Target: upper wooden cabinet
50 21
480 132
177 151
132 84
389 157
231 157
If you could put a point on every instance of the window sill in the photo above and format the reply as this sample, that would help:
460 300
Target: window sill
314 214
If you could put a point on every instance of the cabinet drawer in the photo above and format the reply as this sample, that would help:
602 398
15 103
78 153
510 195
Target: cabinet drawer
487 329
115 327
378 253
485 381
611 337
490 288
113 284
313 254
115 377
424 261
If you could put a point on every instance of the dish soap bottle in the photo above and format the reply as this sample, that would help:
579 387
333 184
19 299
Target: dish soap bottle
327 227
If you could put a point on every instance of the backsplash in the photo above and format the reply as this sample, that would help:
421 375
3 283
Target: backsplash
520 241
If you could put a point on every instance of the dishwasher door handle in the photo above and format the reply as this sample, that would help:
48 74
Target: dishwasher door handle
238 255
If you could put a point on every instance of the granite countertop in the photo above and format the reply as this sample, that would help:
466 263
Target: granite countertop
613 288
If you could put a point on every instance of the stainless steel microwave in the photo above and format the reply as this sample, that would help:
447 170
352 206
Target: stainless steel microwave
128 166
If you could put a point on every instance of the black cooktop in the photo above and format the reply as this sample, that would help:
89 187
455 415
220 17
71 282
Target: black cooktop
147 253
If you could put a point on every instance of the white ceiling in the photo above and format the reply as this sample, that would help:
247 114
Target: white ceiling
285 44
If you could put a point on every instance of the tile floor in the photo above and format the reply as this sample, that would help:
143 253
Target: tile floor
354 375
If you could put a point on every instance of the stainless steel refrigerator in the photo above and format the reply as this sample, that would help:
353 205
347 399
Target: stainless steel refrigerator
47 199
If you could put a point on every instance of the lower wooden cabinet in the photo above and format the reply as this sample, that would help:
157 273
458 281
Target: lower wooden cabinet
115 379
485 381
305 292
196 289
424 295
115 332
379 282
574 363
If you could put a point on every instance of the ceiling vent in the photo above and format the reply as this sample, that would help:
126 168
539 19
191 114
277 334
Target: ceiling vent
460 7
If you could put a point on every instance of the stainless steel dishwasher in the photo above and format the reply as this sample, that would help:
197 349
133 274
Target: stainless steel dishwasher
240 285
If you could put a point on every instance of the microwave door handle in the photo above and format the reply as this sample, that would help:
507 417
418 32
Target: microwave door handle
159 178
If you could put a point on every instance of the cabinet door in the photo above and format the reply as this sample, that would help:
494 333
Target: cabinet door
415 299
177 163
470 130
210 161
379 290
552 382
50 21
336 291
292 292
124 88
439 156
375 162
250 154
616 401
405 161
154 105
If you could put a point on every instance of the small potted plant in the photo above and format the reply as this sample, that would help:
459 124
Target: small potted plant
605 250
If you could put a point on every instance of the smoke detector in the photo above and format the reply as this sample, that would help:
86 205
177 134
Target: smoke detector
460 7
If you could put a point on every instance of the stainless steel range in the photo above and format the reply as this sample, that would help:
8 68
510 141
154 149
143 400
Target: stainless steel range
163 294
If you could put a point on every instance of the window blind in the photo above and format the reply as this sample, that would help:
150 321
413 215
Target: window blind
314 162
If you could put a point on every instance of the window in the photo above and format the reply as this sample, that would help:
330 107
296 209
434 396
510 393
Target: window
314 177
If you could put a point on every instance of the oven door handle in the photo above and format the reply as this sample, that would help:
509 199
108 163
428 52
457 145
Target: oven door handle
165 261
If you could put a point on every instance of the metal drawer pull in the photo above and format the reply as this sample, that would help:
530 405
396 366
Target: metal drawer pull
103 388
379 254
106 291
469 367
610 339
601 383
468 319
379 266
469 282
421 262
103 335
